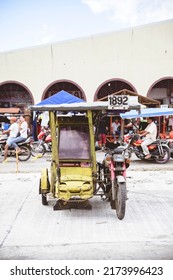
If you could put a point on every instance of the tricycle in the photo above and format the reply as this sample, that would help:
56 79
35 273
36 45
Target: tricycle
75 175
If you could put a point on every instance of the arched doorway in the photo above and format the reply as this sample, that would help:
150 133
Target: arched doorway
162 90
65 85
15 95
112 86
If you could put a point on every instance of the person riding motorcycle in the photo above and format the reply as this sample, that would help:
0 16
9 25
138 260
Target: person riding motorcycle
150 133
12 131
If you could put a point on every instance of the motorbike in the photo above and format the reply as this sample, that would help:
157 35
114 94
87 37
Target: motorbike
43 145
25 151
112 178
169 143
159 150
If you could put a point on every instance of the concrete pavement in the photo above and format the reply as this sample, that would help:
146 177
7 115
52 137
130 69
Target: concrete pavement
32 231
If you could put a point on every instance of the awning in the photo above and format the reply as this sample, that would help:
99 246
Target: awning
9 110
147 112
82 106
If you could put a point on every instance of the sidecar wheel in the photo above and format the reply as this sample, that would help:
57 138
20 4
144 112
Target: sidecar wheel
44 199
120 202
166 157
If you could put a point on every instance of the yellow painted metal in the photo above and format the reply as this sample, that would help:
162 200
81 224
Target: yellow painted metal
72 181
92 145
45 185
55 159
76 182
76 173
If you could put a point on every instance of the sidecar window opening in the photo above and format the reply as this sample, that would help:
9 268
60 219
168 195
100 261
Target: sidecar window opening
74 142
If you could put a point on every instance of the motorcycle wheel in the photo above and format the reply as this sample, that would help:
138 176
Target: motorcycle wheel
120 202
25 153
165 159
37 149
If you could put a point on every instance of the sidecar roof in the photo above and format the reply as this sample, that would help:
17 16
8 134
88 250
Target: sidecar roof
81 106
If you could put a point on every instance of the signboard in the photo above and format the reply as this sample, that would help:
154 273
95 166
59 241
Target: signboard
121 102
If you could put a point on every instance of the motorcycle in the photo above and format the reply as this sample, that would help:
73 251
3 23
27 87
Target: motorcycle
43 145
25 151
169 143
112 178
159 150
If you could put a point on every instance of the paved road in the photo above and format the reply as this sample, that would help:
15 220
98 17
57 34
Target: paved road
31 231
36 164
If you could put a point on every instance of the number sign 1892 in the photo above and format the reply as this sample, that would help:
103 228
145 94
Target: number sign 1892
118 102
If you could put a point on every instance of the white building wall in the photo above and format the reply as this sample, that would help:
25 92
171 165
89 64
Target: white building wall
139 55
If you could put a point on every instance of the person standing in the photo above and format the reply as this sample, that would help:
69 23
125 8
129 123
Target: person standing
12 131
23 130
115 128
150 132
102 131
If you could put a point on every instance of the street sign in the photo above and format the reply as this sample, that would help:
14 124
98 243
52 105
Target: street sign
121 102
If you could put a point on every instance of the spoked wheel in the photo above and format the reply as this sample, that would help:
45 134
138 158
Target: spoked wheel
24 153
120 203
37 149
165 158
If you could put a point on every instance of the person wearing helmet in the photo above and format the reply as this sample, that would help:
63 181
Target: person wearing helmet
13 131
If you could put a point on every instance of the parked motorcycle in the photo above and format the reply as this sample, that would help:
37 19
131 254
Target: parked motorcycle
159 150
43 145
112 173
25 151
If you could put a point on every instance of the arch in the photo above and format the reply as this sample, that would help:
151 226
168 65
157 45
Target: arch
162 90
15 94
111 86
67 85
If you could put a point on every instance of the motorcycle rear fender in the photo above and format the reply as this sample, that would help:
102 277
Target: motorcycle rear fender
120 179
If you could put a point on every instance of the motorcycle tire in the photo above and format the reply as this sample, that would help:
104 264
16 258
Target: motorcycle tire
25 153
166 158
120 203
37 149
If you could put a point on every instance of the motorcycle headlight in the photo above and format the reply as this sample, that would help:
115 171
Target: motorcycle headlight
118 157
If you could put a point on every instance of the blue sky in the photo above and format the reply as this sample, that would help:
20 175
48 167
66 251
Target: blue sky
26 23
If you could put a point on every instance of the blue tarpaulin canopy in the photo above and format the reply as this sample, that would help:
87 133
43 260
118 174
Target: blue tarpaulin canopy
57 99
147 112
64 101
61 97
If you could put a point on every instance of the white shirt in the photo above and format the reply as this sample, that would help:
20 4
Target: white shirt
23 129
14 129
152 129
115 126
